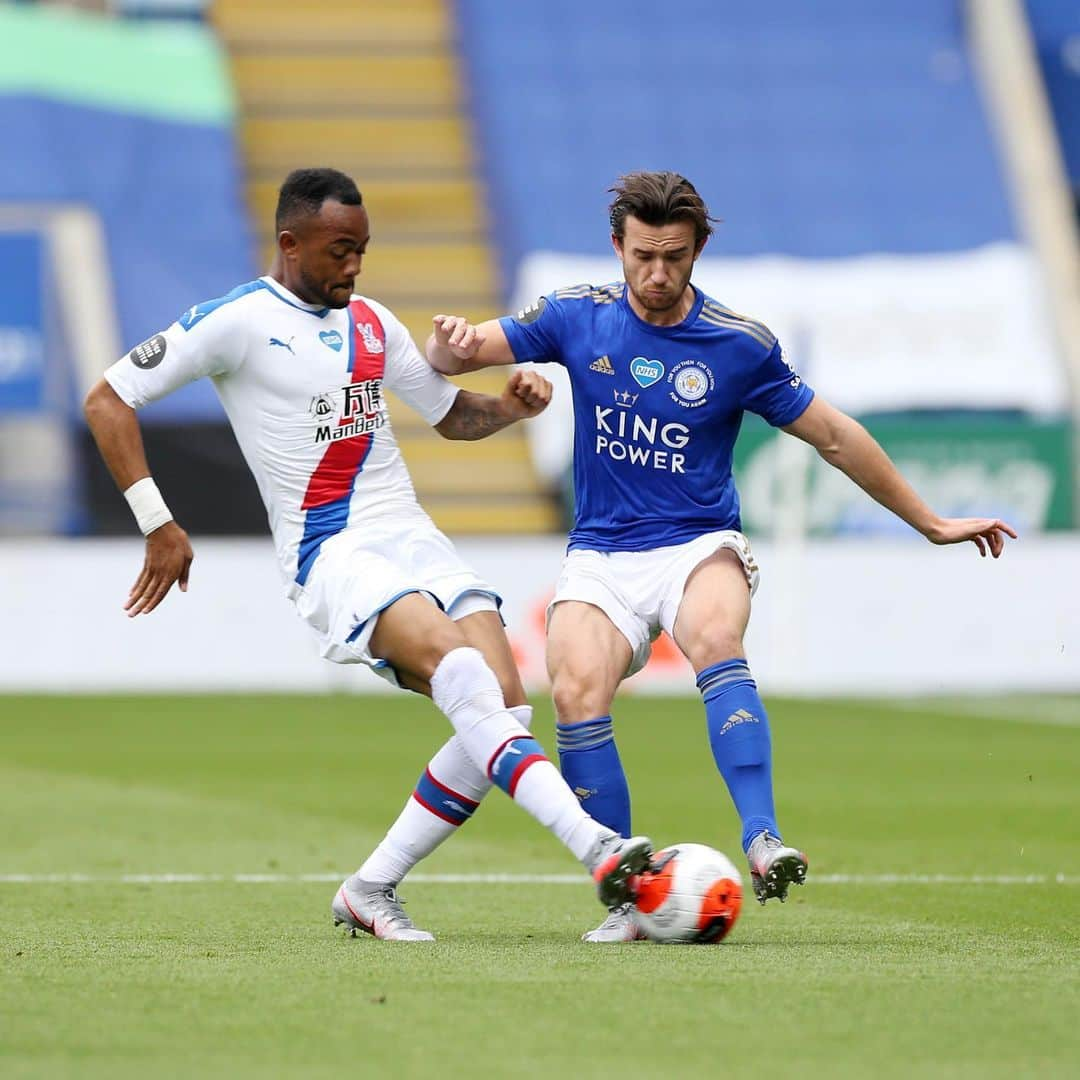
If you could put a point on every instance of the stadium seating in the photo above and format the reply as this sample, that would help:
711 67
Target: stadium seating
847 149
379 97
804 122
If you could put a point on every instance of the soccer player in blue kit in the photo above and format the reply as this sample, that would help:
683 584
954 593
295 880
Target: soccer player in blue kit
661 376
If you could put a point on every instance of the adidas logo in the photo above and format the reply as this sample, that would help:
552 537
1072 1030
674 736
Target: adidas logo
739 716
603 365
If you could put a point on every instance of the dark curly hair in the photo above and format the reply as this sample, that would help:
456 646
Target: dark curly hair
305 190
658 198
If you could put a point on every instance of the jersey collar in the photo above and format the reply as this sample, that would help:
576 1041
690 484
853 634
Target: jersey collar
291 299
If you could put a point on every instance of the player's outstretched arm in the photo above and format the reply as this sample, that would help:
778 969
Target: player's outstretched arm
845 443
115 428
475 416
456 346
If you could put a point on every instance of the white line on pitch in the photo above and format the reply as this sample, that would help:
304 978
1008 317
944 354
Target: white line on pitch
512 879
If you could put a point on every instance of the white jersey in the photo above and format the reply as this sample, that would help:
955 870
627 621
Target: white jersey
303 390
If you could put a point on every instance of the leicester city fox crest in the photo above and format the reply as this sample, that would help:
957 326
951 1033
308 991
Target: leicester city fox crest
691 382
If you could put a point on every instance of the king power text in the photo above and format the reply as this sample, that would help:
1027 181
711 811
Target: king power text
625 436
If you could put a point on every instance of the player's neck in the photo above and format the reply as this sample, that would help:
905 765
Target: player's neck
277 273
671 316
294 289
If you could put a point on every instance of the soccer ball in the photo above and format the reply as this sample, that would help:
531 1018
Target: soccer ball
690 893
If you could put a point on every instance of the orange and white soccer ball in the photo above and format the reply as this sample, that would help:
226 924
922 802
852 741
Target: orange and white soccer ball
690 893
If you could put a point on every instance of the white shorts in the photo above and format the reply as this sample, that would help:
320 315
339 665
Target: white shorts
362 572
640 591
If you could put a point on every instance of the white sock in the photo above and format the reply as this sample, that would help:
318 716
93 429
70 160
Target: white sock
450 785
466 690
543 792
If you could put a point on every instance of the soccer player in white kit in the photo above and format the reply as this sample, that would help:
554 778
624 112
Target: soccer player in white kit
300 363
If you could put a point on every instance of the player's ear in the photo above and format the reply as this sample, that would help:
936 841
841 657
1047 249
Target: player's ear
287 242
616 243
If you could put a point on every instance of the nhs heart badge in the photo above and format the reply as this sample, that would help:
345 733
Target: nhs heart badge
331 339
646 372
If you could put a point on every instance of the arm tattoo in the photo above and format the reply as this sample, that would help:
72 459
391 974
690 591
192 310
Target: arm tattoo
473 416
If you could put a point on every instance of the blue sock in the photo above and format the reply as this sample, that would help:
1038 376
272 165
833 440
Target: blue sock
741 745
590 764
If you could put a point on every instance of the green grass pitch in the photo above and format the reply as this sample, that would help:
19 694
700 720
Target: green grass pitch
854 977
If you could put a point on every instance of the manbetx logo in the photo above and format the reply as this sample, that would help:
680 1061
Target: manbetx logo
362 411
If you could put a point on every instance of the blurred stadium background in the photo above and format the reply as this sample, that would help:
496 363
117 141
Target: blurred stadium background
898 185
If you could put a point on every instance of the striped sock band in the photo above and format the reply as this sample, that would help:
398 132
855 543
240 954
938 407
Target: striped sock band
584 736
509 763
442 801
719 678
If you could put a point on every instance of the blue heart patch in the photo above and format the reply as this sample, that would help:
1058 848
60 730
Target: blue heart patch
332 339
646 372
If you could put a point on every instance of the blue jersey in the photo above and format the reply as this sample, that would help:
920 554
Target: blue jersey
657 410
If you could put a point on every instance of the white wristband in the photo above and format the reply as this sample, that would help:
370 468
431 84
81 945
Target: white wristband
147 505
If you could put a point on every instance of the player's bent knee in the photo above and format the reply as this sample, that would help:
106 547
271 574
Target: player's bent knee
460 675
713 646
577 697
484 630
430 653
415 637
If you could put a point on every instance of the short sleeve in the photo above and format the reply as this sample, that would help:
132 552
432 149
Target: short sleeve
409 375
214 345
535 333
775 391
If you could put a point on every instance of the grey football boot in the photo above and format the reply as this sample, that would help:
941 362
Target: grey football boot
614 862
773 867
375 909
618 926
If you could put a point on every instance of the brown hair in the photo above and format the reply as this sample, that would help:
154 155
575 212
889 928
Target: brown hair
658 198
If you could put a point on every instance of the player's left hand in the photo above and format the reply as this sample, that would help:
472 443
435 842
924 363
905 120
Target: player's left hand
985 533
527 394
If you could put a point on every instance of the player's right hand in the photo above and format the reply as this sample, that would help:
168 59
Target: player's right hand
458 335
527 394
168 560
987 534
